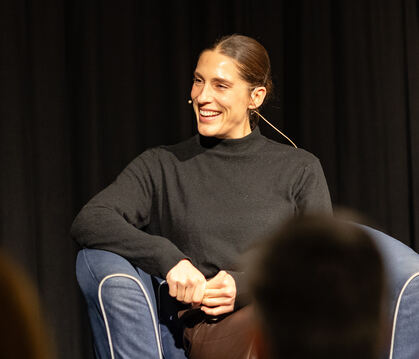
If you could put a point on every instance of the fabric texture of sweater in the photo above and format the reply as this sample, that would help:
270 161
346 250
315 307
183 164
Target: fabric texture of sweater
204 199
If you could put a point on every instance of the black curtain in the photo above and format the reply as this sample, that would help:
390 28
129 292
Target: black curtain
85 86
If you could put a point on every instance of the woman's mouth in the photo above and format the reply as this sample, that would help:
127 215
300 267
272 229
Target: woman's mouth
208 115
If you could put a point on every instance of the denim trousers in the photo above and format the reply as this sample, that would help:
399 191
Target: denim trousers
130 312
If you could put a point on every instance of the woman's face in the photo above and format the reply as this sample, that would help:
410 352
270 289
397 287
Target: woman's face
220 97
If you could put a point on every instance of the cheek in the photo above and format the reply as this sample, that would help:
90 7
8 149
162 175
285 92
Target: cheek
194 91
239 101
227 101
238 105
245 102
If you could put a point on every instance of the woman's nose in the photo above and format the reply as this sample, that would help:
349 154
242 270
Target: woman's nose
205 94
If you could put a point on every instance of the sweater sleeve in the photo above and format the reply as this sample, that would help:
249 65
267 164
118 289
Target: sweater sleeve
114 219
311 193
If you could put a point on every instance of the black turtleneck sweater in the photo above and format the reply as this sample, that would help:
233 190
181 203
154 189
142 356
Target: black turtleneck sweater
204 199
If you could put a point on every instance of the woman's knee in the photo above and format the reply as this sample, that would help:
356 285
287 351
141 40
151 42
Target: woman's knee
94 266
120 302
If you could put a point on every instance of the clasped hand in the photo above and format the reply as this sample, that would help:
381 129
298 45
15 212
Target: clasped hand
215 296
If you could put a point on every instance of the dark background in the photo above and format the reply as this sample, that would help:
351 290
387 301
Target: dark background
87 85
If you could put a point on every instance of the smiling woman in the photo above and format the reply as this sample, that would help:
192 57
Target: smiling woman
231 78
186 213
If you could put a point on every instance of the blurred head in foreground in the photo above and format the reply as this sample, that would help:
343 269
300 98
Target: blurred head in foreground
318 286
22 330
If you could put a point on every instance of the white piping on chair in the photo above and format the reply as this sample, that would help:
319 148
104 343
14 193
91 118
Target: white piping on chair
153 317
396 312
159 302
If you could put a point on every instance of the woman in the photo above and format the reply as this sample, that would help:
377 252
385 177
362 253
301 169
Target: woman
186 212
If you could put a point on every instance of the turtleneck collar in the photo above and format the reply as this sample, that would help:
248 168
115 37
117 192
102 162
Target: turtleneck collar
248 142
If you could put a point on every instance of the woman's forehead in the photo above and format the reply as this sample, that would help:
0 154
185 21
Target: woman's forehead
212 64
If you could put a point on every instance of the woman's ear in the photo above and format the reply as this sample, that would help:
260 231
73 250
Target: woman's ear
257 97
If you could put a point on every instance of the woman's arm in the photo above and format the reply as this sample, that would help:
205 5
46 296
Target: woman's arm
311 192
114 218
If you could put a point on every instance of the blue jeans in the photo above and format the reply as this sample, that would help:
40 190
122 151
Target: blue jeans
126 319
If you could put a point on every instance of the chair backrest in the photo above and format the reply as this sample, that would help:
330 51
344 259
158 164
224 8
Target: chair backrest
402 271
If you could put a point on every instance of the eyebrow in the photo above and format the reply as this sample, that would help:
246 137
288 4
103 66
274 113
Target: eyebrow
215 79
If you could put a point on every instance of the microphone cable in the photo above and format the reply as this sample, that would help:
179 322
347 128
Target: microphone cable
270 124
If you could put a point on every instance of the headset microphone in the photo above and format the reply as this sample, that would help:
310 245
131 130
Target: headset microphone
270 124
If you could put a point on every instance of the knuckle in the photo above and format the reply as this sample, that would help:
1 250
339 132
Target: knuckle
197 282
191 283
230 293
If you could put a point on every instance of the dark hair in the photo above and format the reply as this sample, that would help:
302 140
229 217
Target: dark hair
252 61
319 286
24 333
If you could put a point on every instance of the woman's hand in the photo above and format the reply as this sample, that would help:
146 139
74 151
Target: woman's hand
220 294
186 283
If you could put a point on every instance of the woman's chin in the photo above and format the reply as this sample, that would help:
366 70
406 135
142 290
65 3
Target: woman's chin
208 130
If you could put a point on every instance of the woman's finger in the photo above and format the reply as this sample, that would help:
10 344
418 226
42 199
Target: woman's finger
217 310
180 295
199 292
217 282
215 302
222 292
172 288
213 293
189 291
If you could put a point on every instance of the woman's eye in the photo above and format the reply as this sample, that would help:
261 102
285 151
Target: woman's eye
221 86
195 80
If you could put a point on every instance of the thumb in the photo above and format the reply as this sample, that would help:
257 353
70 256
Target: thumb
215 282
